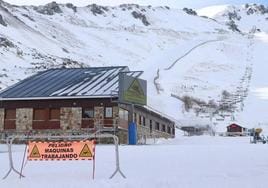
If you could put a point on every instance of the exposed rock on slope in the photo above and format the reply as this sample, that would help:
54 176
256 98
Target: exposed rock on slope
239 18
6 43
96 9
254 8
49 9
2 22
189 11
140 16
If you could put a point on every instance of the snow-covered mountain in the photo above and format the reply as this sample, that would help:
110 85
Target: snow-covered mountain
245 18
204 66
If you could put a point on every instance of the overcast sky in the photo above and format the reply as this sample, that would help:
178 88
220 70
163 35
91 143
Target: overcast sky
170 3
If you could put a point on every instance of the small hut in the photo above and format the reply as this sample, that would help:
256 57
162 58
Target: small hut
236 130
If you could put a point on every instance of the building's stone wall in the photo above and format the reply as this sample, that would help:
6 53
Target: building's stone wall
98 117
122 136
70 118
160 134
24 119
115 116
142 133
2 120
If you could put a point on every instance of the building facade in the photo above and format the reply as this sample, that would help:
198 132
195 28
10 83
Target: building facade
236 130
77 101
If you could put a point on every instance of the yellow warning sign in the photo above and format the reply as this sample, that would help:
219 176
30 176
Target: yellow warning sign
35 152
85 152
74 150
135 93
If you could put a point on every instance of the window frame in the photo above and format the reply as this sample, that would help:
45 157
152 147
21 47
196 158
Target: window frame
143 121
8 110
50 115
109 110
163 128
140 119
123 114
44 112
88 109
157 126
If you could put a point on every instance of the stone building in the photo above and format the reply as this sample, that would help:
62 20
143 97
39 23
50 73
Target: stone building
79 101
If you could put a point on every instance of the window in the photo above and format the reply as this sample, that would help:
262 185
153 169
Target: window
10 119
157 126
39 114
88 113
135 118
10 114
123 114
163 128
143 121
109 112
140 119
151 125
54 114
169 130
46 118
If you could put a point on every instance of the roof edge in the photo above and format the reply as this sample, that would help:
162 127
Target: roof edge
55 98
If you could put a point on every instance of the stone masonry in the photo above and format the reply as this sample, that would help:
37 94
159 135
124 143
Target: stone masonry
123 136
115 115
24 117
98 117
142 133
2 115
70 118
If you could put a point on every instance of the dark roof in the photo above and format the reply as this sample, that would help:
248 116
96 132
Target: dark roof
234 124
65 82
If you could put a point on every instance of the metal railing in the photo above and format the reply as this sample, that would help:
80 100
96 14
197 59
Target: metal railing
54 132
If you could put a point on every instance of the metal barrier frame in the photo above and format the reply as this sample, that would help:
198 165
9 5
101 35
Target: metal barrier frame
10 139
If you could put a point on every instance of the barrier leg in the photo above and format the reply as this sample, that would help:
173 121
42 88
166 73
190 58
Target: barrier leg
117 169
7 174
11 164
94 157
22 163
93 168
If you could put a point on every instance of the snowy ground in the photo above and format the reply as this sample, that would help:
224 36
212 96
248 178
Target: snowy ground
183 162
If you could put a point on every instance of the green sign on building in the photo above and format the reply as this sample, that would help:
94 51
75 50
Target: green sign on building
132 90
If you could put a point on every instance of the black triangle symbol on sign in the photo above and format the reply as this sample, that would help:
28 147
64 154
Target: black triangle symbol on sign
85 152
35 152
136 88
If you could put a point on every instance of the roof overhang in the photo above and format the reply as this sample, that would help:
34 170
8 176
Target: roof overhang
55 98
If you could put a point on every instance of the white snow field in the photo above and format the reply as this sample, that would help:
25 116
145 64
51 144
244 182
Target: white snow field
192 162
